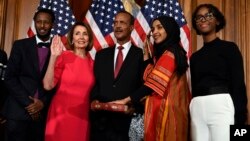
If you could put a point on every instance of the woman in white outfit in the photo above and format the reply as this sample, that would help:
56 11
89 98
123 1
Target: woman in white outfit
217 75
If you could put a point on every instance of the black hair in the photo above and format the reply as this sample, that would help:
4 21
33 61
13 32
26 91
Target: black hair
48 11
216 13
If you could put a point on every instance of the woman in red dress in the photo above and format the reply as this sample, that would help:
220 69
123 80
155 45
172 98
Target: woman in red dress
71 72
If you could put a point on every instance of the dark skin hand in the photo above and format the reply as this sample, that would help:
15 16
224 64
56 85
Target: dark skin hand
34 108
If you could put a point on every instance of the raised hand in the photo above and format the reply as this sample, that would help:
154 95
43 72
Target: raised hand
56 46
146 48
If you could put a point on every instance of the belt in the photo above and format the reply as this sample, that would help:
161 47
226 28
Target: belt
211 91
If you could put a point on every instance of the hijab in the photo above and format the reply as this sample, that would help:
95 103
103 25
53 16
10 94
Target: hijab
172 43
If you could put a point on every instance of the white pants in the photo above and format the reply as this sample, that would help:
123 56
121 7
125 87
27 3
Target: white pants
211 117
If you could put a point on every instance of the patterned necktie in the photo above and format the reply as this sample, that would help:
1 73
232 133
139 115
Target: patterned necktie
119 60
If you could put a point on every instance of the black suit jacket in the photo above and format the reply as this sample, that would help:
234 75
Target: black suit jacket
108 88
3 91
23 78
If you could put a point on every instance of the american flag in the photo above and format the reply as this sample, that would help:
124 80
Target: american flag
101 14
64 18
100 17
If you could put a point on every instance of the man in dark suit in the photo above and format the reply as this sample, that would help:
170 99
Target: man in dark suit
108 125
27 100
3 91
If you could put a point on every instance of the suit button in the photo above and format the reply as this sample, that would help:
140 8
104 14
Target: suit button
114 86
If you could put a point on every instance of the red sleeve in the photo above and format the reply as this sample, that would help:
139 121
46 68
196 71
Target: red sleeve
161 73
59 65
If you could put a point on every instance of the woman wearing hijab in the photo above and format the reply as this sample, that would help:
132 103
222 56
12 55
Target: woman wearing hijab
165 83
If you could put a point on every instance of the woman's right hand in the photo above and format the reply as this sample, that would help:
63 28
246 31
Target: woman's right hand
146 47
56 46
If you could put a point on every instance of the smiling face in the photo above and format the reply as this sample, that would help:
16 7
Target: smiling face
43 25
80 37
205 22
122 27
158 32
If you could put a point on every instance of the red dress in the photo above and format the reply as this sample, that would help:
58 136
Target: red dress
68 116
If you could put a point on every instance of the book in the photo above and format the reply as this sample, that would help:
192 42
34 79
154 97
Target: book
109 107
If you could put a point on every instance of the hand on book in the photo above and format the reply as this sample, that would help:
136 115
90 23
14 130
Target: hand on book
96 105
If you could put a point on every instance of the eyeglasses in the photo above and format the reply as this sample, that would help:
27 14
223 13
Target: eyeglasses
206 17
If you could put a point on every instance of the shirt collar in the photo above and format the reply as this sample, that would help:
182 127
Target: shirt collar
38 40
126 45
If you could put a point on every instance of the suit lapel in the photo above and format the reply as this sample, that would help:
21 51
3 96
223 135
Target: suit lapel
111 62
34 54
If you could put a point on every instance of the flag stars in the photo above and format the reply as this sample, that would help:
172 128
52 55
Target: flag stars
43 6
106 30
152 9
58 31
54 9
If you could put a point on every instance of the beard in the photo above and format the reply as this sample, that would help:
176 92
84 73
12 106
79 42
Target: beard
44 37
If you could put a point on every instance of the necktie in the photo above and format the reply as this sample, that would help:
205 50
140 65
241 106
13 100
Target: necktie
43 45
119 60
